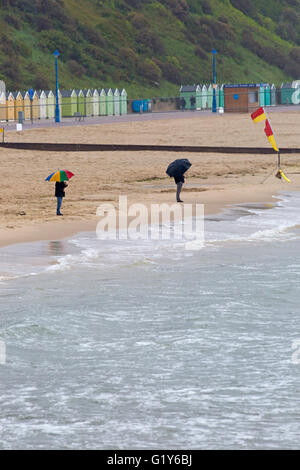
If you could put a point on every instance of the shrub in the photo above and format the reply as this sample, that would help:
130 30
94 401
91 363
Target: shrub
169 71
200 52
149 70
76 68
179 8
206 8
245 6
12 20
150 41
138 20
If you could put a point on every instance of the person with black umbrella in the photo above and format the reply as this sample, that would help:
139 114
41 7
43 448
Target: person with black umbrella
176 170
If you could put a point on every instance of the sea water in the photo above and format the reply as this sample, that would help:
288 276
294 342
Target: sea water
148 345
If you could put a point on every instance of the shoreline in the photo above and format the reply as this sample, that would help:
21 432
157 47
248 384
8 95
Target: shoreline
215 202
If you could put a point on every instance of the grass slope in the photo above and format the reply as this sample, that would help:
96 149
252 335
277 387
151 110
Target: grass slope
149 47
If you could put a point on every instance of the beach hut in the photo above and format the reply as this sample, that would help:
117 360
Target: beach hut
116 95
10 106
19 104
35 106
109 102
43 104
88 102
217 95
123 102
296 92
50 100
26 104
2 106
188 95
221 97
69 103
209 96
272 95
267 90
204 97
102 101
95 102
262 95
199 98
80 102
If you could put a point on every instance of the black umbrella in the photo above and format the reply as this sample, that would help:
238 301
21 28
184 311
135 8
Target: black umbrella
178 167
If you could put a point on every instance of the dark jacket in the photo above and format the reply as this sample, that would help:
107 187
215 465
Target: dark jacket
59 189
179 179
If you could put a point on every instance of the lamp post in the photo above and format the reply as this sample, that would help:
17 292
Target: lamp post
57 117
214 102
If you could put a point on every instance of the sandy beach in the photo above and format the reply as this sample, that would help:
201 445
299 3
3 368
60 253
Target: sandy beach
28 206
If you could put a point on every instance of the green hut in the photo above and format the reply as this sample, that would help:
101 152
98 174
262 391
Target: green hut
273 95
80 102
188 96
262 95
204 97
123 102
209 96
88 102
267 95
69 103
102 102
109 102
221 96
116 95
95 101
199 98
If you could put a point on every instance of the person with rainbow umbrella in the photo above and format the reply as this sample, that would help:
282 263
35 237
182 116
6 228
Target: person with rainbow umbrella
60 177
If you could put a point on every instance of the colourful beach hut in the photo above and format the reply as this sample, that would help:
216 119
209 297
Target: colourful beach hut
80 102
88 102
2 106
26 105
123 102
188 95
102 101
273 95
43 104
19 104
221 97
116 95
95 102
199 98
261 95
109 102
267 95
204 97
35 106
69 103
50 100
209 96
10 105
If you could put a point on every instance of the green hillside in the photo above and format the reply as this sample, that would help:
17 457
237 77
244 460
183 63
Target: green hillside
149 47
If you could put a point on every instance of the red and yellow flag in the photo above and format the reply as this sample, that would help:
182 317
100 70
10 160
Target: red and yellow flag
269 133
259 115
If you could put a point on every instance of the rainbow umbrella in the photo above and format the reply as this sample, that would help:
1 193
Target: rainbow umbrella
60 175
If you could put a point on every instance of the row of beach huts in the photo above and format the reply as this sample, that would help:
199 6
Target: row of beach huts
201 96
87 102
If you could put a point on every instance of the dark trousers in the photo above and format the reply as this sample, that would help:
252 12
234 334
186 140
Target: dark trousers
179 187
59 202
